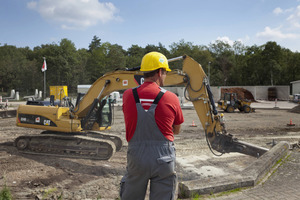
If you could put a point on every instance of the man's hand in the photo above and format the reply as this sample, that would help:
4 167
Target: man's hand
176 129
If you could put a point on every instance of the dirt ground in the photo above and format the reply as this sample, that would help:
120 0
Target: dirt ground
46 177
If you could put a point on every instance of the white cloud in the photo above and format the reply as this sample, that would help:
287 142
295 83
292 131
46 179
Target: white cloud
246 39
75 14
277 11
32 4
289 27
294 19
225 39
276 33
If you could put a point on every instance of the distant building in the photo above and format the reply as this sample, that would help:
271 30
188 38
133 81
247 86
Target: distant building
83 88
295 87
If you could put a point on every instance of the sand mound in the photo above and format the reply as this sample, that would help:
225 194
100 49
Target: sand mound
241 93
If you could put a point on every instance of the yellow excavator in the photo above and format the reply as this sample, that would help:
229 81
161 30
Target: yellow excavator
79 131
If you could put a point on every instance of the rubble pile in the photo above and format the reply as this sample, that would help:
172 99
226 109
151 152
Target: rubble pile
241 93
295 109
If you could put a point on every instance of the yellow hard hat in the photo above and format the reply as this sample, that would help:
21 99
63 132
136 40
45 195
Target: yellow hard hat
154 60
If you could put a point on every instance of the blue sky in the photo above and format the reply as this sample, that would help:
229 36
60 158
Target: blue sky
141 22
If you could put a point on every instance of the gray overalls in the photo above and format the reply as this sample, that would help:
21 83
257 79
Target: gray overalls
150 156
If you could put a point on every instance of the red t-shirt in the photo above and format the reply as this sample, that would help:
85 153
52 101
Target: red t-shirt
167 113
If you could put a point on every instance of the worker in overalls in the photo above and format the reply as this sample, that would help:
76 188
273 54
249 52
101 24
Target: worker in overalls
152 117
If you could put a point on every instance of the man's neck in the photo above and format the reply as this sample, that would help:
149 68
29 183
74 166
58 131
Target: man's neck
151 80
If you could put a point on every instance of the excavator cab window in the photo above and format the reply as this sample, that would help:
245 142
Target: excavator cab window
227 97
100 112
230 98
105 113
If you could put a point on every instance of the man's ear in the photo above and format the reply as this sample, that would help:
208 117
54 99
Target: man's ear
160 72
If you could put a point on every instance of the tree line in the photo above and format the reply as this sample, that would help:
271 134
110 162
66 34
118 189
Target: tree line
226 65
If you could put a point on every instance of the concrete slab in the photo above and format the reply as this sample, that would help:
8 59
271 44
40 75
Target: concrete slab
286 105
261 104
250 176
189 105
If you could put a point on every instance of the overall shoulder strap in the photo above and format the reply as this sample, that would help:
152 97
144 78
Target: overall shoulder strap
159 96
135 95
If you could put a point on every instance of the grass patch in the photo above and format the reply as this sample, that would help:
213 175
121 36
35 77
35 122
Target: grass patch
274 168
279 163
211 195
51 193
197 197
230 192
226 193
5 194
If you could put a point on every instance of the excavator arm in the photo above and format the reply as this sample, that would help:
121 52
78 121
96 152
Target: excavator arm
200 94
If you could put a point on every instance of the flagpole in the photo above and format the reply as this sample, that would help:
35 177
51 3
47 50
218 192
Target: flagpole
44 81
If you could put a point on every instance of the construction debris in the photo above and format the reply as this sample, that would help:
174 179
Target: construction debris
295 145
241 92
295 109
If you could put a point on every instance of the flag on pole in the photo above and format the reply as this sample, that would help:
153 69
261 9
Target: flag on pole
44 67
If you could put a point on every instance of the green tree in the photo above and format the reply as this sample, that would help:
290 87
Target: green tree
95 43
239 63
181 48
250 72
20 68
115 57
81 70
134 56
292 69
271 60
160 48
16 71
96 64
224 62
70 63
62 62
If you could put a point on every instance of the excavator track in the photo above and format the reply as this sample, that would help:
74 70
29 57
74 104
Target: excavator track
70 146
107 136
